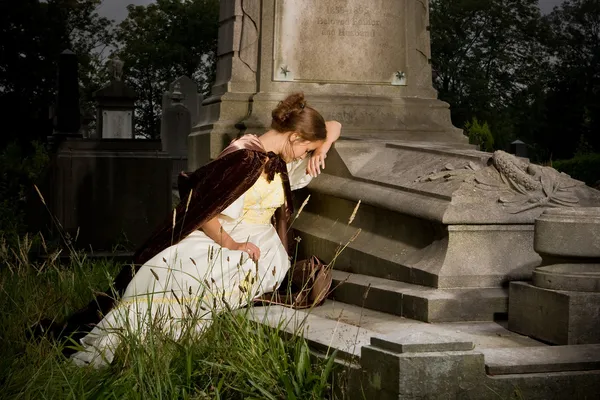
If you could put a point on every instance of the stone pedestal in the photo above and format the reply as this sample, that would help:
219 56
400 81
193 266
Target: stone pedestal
115 105
365 66
562 304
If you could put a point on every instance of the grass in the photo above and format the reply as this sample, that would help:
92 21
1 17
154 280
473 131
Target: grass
233 359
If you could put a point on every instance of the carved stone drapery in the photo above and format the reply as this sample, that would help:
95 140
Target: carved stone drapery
521 186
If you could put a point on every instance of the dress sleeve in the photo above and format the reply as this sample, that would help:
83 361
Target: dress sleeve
297 174
235 209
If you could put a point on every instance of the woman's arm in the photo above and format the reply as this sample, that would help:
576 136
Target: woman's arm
215 231
317 160
334 130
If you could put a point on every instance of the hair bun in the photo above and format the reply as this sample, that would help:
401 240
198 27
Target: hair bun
293 104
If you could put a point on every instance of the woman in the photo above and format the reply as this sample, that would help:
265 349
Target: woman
220 250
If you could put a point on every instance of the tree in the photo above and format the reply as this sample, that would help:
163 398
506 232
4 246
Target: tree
485 54
32 35
573 99
162 41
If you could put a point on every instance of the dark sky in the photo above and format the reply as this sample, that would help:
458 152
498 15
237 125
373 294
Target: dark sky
116 9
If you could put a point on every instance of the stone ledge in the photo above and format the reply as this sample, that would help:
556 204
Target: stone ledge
528 360
570 277
419 342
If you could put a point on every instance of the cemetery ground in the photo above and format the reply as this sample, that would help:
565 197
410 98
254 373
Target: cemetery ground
234 359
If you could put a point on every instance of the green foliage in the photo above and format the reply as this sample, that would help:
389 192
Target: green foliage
585 167
480 134
484 52
162 41
32 35
529 76
573 96
19 169
234 359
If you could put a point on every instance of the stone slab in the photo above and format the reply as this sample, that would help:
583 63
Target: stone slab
324 335
419 342
529 360
572 277
313 41
558 317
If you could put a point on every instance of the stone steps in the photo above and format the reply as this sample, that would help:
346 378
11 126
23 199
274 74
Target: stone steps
419 302
322 334
367 254
348 328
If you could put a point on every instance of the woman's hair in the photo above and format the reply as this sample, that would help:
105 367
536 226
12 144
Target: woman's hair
294 115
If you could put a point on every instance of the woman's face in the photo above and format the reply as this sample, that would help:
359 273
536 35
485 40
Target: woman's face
300 148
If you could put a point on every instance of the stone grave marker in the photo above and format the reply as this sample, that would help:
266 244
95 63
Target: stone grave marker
366 66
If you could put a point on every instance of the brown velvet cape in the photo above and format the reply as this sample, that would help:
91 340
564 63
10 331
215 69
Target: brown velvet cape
209 190
204 194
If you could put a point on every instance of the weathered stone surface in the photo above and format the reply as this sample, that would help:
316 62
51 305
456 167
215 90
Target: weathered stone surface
422 375
349 69
573 232
466 236
559 317
115 104
117 124
573 277
530 360
431 375
177 124
419 342
311 36
419 302
191 98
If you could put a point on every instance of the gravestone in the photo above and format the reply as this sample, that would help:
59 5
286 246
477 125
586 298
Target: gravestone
190 98
176 124
115 105
518 148
366 66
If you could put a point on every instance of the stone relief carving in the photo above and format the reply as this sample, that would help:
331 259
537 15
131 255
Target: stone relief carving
521 186
450 173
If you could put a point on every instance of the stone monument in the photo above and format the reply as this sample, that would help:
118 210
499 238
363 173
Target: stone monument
115 105
190 97
366 66
176 124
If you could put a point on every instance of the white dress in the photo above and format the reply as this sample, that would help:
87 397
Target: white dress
197 277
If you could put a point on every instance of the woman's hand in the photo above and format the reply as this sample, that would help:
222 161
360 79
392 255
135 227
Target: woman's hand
317 160
214 230
250 248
